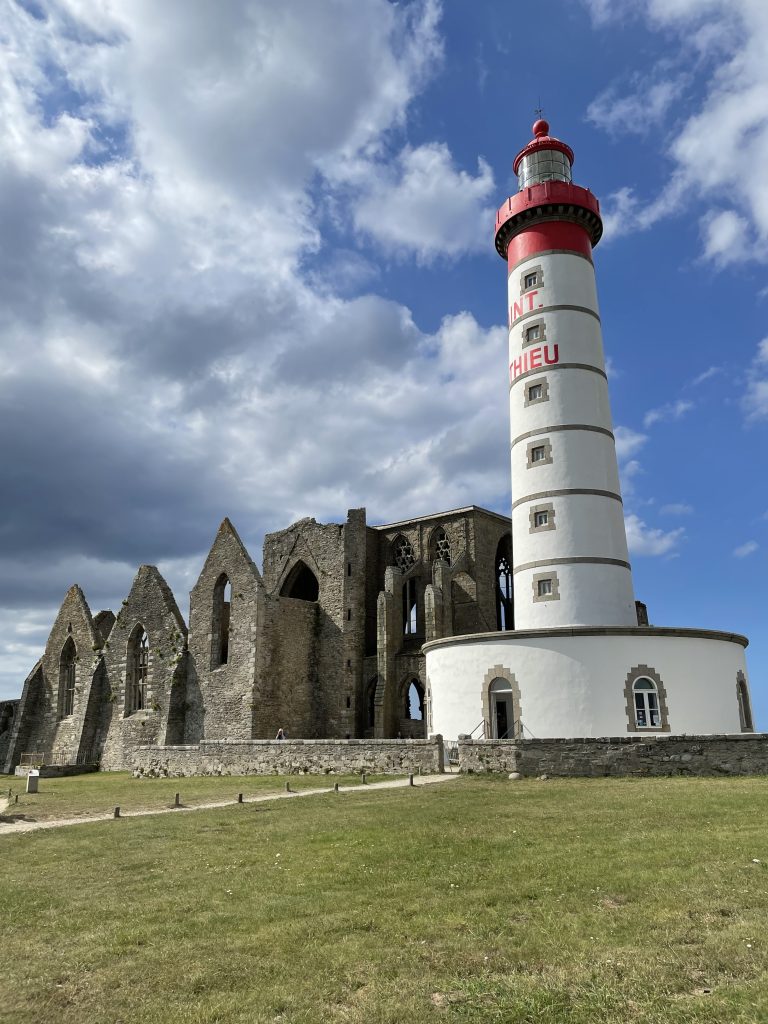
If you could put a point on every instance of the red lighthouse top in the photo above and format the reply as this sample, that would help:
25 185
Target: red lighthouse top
548 211
542 140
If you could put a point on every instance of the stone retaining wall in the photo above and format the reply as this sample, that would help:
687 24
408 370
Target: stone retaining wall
742 754
290 757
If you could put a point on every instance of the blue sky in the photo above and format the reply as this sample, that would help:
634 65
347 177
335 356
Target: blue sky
248 270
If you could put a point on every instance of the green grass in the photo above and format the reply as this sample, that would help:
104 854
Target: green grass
477 900
100 792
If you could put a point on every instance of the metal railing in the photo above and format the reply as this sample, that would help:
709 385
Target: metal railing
60 758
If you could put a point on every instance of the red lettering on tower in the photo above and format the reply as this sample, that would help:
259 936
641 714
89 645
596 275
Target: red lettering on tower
530 300
535 358
515 311
532 360
555 355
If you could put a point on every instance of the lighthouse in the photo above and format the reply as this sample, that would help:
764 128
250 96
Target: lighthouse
577 662
571 565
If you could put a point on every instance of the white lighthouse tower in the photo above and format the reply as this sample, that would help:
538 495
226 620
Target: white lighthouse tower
577 663
568 539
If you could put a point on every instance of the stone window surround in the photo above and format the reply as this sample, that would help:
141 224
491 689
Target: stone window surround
549 525
540 442
645 672
501 672
538 283
64 669
542 333
544 397
746 720
537 577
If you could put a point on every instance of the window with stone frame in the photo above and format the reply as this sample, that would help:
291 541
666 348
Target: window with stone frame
441 546
67 678
745 706
137 671
505 619
402 552
410 608
646 700
221 621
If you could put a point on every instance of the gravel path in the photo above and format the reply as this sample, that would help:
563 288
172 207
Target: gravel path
12 828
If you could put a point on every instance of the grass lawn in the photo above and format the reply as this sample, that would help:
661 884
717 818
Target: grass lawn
100 792
478 900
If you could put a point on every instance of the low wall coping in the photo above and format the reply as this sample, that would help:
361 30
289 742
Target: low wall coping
738 737
571 631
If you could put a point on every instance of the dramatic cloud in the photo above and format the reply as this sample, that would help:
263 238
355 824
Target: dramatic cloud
724 45
171 354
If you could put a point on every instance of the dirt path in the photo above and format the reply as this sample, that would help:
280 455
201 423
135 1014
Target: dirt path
15 827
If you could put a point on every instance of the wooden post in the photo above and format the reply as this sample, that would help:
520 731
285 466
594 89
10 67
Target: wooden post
177 801
239 798
117 812
410 779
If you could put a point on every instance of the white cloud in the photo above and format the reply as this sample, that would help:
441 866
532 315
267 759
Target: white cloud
723 46
670 411
642 107
676 509
424 205
645 540
627 474
628 441
746 549
755 403
712 371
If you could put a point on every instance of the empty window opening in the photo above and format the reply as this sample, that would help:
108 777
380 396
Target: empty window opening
402 550
370 706
349 702
504 586
745 707
349 614
67 670
137 670
301 584
544 588
646 697
414 701
441 546
349 568
410 608
221 620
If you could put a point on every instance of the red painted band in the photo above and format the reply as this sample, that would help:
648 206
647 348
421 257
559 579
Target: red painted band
553 234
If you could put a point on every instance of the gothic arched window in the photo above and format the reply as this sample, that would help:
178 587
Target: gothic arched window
137 671
440 546
301 584
505 601
414 701
220 624
67 669
402 551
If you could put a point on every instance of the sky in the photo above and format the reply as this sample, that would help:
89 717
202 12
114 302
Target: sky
247 269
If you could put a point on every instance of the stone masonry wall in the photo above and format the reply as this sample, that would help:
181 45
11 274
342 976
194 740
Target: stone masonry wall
742 754
290 757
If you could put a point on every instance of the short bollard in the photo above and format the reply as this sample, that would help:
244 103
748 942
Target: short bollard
364 780
177 800
419 771
410 779
335 787
117 812
17 799
287 787
239 798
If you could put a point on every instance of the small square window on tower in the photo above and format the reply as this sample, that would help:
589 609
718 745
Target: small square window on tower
546 587
533 333
539 453
540 518
532 277
536 391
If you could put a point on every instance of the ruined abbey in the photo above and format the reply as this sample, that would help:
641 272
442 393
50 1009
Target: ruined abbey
324 642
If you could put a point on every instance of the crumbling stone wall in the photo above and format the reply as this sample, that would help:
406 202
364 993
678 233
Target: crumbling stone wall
741 754
291 757
150 604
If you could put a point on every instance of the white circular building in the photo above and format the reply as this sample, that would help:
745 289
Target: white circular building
577 663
